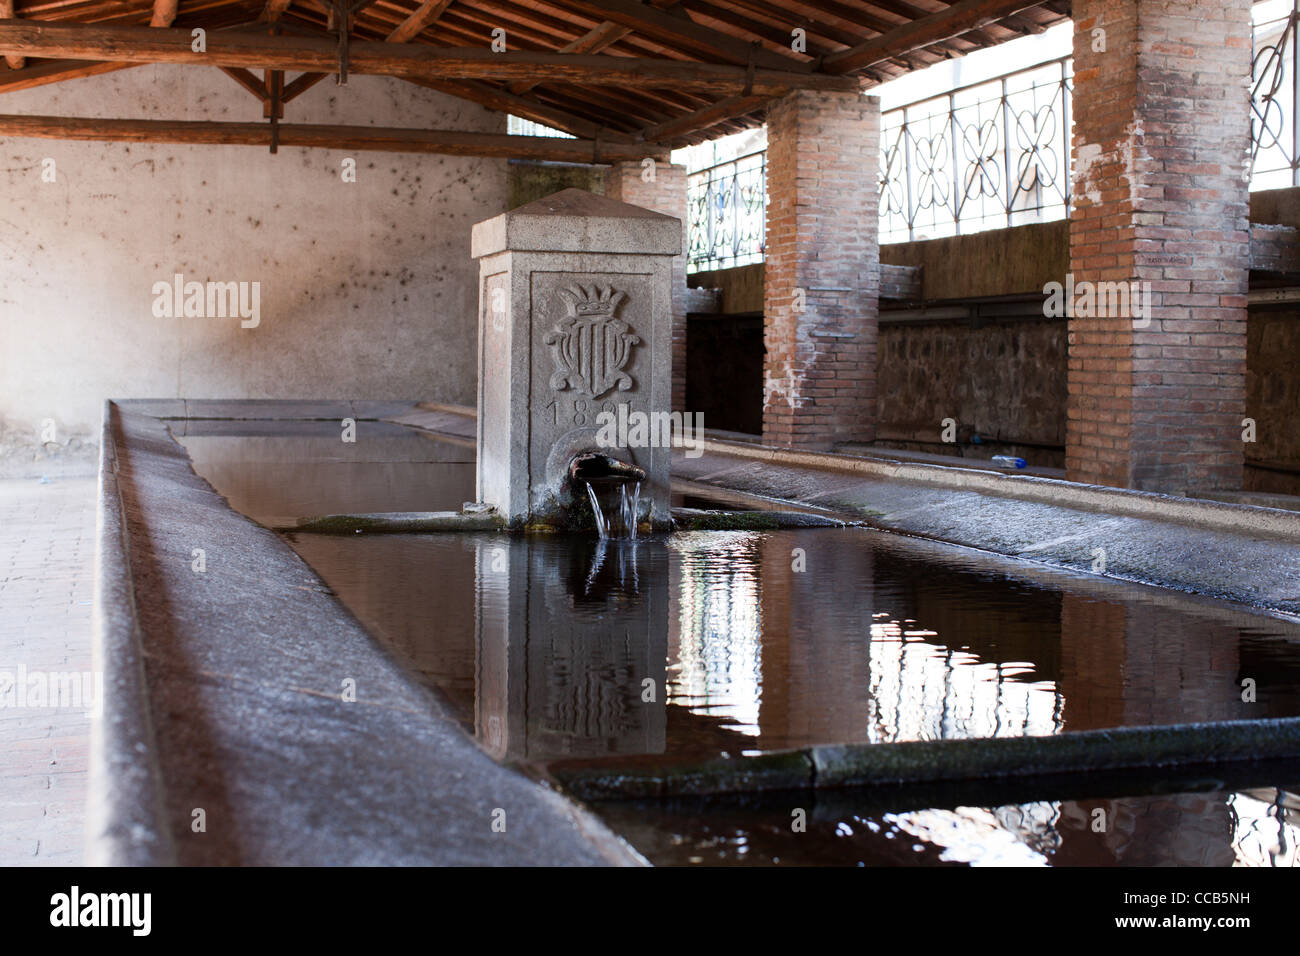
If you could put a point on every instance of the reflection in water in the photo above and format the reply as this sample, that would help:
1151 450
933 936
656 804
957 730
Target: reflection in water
1256 827
717 665
881 639
570 647
700 643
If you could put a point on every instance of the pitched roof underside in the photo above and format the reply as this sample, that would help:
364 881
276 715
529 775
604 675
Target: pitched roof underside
744 34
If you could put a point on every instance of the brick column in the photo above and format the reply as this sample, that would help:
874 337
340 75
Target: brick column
822 277
664 191
1161 132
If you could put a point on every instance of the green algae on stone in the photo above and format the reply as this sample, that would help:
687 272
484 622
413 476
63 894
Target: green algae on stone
398 522
695 519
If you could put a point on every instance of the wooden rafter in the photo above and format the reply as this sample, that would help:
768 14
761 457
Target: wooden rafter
681 30
164 12
666 72
121 44
959 18
364 138
55 71
7 13
719 112
424 17
503 101
273 10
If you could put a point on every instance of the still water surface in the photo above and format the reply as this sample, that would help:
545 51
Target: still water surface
710 642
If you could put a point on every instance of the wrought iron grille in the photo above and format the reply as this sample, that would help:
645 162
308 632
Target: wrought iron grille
1274 133
989 155
983 156
727 212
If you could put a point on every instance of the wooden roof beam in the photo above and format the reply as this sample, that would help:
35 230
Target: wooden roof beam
123 44
676 28
7 13
164 12
593 41
247 80
960 18
273 10
425 16
55 71
701 119
484 94
364 138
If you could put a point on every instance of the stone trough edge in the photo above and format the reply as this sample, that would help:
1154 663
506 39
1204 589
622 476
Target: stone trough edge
930 761
125 824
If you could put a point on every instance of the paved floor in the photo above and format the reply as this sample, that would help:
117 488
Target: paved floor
47 552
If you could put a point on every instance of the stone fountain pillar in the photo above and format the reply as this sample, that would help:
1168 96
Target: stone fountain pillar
575 320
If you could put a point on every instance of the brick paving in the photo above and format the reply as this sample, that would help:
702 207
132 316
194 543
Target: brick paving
47 552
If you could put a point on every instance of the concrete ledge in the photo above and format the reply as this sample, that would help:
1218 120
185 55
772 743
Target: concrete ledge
1195 512
932 761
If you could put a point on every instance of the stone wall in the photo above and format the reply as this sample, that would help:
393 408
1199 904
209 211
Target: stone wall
367 289
1002 382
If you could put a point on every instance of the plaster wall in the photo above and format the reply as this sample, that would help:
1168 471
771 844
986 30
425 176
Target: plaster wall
367 288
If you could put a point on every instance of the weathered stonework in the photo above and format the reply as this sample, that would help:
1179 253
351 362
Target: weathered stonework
823 269
574 320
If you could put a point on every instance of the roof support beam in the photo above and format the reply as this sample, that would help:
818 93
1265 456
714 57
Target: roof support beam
256 51
960 18
365 138
425 16
593 41
678 29
164 12
55 71
246 79
498 99
701 119
7 13
273 10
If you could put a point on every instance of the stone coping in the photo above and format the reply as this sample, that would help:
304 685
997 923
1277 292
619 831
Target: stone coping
124 815
1196 512
222 694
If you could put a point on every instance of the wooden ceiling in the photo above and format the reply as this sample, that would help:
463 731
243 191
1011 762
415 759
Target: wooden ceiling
620 75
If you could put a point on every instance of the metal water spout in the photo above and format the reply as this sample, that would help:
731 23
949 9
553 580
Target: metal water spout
590 469
594 466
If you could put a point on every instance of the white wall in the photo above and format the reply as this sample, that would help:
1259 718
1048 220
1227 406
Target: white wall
367 289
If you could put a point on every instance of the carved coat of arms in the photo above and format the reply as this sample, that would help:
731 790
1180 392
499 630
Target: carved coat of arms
590 345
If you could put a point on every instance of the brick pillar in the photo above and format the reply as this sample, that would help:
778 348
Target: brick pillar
1161 132
632 182
823 254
